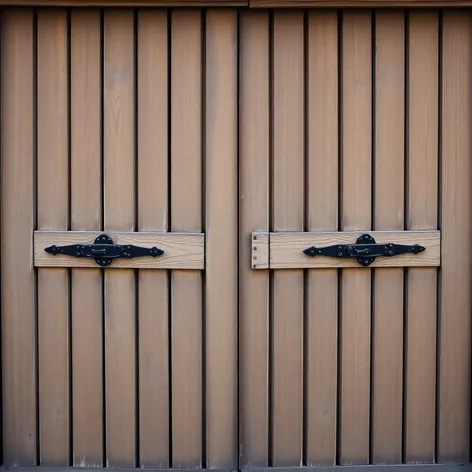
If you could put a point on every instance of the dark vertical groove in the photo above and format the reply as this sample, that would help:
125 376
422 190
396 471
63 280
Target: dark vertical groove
406 216
238 364
35 191
169 225
270 442
203 209
238 237
340 205
373 225
136 228
305 228
69 225
439 294
102 225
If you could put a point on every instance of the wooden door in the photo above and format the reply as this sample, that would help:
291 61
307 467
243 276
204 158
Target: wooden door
232 140
107 128
354 122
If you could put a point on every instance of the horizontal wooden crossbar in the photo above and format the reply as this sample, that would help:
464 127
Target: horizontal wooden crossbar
181 250
285 250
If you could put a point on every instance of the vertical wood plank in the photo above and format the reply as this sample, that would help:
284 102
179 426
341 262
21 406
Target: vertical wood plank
420 388
455 274
356 214
322 195
186 210
387 388
253 216
86 204
53 213
120 301
153 216
17 225
221 239
288 210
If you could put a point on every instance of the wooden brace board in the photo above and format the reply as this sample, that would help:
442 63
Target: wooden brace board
181 250
285 250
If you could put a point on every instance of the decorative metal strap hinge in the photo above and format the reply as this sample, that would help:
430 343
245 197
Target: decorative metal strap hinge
365 249
104 250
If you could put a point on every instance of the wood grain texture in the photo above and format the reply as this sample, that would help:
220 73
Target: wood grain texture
355 214
288 212
421 309
19 411
286 249
119 205
254 215
181 250
322 209
53 213
86 205
387 356
221 289
453 427
153 286
186 210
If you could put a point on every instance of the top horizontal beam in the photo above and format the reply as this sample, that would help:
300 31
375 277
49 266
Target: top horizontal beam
242 3
359 3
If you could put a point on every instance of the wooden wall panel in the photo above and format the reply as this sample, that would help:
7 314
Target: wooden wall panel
86 214
387 355
253 215
322 210
152 192
53 213
455 275
356 214
221 290
119 206
19 412
422 171
288 215
186 211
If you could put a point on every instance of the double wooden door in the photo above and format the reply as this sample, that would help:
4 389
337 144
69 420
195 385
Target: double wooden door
232 140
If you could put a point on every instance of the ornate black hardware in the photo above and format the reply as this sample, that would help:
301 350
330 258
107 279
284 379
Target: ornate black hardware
365 250
104 250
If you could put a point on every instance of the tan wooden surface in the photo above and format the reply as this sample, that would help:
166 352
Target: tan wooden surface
19 412
253 215
453 427
87 311
286 249
119 200
153 286
355 214
186 211
387 333
288 211
259 257
322 210
421 311
53 213
221 261
181 250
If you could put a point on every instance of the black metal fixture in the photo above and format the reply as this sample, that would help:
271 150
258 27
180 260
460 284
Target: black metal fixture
365 250
104 250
